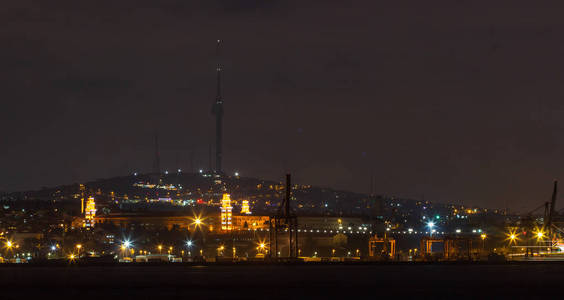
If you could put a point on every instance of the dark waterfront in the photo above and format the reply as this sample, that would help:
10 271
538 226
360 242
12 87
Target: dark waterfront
429 281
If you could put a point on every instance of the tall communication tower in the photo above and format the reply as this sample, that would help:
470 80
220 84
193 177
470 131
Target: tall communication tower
217 110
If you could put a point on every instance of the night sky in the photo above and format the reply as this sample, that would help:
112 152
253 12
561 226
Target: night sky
453 101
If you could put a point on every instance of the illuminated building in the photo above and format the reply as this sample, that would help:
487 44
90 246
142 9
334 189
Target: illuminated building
89 212
226 210
245 207
250 222
82 190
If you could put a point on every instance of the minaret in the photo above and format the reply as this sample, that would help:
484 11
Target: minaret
217 110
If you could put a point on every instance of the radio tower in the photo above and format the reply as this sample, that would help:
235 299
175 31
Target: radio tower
217 110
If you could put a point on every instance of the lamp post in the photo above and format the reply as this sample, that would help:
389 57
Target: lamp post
78 247
9 246
431 225
189 244
261 247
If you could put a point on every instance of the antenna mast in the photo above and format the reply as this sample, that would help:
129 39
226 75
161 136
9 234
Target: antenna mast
217 110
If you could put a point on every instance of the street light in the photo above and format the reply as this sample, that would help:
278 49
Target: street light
78 246
512 236
431 225
189 245
160 247
261 247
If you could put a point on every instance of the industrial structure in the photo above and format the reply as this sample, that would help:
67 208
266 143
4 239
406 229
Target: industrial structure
454 247
285 222
217 110
387 249
540 235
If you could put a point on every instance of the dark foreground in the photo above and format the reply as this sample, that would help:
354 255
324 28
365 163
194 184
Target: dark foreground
423 281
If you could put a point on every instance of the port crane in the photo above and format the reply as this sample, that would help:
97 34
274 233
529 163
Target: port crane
545 234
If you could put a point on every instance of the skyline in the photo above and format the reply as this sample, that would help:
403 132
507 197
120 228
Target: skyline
458 103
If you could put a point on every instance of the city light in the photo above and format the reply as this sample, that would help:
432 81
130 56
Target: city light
483 236
245 207
189 243
9 244
127 244
431 225
512 236
89 213
197 220
236 173
226 212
